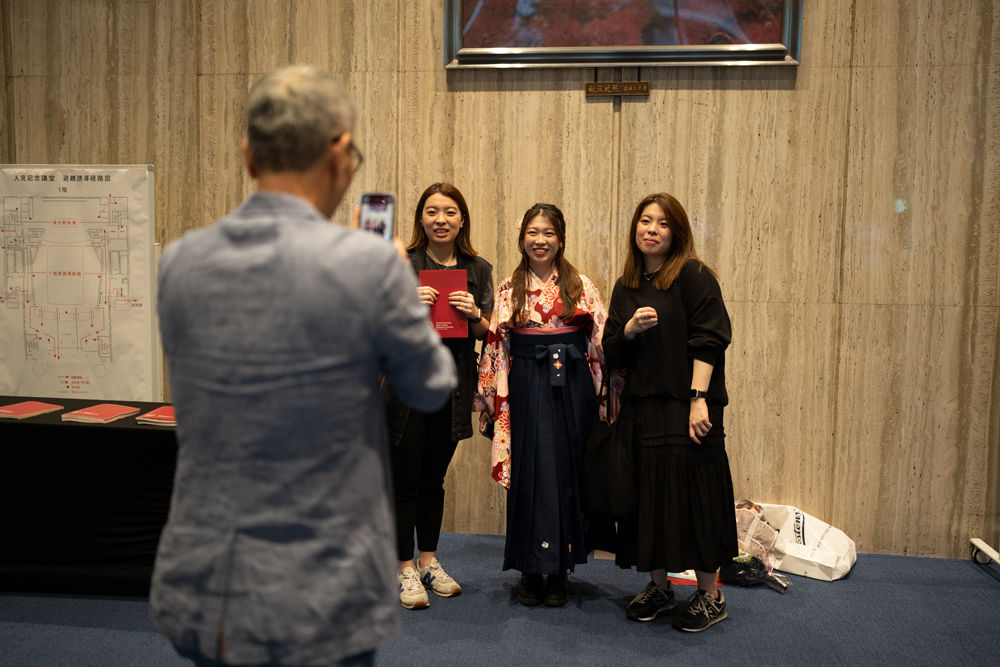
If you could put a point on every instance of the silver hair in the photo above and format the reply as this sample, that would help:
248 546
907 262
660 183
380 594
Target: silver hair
293 114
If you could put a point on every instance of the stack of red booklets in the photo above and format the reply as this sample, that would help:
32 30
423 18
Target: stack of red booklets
161 416
26 409
102 413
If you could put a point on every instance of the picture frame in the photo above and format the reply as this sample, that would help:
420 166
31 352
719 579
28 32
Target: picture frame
621 33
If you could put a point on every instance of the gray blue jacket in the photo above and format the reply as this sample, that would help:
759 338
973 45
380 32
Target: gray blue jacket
276 325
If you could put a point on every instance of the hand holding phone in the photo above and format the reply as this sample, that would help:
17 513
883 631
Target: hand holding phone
378 213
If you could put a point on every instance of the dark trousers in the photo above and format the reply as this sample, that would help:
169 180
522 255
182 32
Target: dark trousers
419 464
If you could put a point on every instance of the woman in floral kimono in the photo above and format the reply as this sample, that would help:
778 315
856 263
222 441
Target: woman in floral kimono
538 380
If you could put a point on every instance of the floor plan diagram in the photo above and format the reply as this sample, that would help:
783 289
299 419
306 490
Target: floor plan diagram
75 289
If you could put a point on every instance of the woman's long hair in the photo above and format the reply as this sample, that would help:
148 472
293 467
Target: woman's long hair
681 244
570 284
419 237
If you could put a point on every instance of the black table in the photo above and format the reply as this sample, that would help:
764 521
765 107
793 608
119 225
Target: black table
82 505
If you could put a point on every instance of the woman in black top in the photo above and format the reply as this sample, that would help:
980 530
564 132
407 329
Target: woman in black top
423 444
667 330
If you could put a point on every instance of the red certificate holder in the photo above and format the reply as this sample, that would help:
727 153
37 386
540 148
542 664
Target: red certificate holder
447 321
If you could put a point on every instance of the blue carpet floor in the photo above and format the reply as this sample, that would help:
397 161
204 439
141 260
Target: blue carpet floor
889 610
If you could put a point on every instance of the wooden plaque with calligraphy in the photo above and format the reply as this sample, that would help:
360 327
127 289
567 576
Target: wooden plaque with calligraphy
614 88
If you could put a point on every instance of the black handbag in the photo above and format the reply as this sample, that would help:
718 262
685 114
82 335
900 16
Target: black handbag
608 484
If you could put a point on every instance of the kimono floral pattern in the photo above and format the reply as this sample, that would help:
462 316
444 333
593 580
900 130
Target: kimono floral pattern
544 307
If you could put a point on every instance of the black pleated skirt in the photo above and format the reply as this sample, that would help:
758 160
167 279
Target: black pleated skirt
685 517
552 403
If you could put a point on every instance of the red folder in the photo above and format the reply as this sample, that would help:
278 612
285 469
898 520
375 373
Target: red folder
447 321
102 413
162 416
26 409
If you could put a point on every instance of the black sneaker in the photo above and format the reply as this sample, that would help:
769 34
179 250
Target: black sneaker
650 603
529 593
556 590
702 612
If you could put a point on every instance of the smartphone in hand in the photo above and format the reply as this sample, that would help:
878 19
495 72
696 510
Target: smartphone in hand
378 213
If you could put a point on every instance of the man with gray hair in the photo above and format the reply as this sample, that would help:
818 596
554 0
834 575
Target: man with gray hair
278 549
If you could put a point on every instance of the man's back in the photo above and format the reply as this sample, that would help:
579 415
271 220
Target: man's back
276 325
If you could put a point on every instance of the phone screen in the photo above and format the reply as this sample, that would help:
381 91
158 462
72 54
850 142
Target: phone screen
378 213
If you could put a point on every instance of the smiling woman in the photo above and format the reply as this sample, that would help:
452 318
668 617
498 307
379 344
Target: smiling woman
667 331
441 220
652 235
541 243
425 443
540 369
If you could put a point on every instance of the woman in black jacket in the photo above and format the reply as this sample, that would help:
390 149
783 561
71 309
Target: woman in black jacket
668 330
423 444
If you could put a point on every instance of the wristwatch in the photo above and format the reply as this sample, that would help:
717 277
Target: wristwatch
698 393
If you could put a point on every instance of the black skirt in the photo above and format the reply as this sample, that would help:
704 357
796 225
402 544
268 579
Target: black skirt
552 403
685 517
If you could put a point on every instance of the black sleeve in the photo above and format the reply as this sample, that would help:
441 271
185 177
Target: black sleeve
709 328
618 351
484 285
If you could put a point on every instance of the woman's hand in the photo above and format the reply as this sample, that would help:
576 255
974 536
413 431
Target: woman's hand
427 295
643 319
698 424
464 303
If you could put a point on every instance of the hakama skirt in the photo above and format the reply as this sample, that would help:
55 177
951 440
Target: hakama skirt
552 403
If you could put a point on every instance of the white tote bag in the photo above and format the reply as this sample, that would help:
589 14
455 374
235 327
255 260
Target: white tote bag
808 546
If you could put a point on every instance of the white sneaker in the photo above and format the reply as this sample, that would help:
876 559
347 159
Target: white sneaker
411 593
435 578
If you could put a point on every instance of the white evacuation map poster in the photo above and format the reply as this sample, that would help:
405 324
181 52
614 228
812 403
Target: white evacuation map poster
77 316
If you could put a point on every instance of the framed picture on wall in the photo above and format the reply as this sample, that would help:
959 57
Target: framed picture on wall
617 33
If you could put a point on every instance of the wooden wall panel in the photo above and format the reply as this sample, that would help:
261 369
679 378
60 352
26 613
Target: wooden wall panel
6 125
919 332
911 429
70 119
916 230
377 135
756 157
924 33
256 36
541 158
102 37
115 120
991 211
828 30
473 502
6 112
223 180
864 366
176 154
781 374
